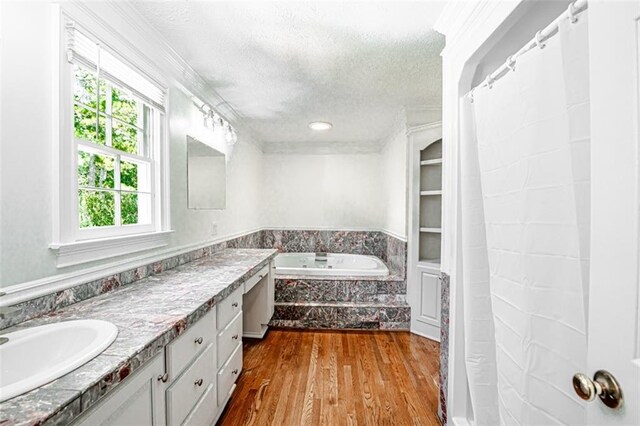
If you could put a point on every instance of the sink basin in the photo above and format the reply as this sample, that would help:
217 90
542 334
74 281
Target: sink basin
35 356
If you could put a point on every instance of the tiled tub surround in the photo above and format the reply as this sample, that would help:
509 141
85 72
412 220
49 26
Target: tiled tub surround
148 316
389 249
358 302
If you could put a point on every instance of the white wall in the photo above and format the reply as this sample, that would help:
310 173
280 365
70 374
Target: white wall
394 184
341 191
26 157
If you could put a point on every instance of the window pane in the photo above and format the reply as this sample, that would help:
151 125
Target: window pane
135 176
84 90
136 208
85 125
96 170
124 137
124 106
104 93
129 176
96 208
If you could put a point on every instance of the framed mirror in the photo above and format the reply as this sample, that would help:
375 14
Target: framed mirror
206 176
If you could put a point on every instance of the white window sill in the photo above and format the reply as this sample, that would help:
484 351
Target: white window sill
69 254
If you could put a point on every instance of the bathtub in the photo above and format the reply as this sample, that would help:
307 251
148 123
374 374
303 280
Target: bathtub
337 264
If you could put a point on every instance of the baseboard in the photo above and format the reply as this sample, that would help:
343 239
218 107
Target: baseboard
256 335
435 335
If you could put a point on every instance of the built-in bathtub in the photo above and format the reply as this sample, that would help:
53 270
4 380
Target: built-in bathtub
335 264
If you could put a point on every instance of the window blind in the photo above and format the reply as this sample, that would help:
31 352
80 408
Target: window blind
88 53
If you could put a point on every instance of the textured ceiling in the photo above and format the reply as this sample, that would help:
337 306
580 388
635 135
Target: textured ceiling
281 65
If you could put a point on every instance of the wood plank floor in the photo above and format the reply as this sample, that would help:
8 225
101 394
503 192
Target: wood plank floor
304 377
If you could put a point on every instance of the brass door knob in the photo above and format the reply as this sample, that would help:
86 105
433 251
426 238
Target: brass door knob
603 385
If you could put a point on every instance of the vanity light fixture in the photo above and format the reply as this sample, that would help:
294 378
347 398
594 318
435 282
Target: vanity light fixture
320 125
210 116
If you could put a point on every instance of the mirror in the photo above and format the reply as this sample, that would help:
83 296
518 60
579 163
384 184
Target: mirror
206 176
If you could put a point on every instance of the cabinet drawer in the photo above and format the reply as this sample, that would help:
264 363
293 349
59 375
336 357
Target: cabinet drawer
185 392
229 307
229 339
228 375
255 279
205 410
185 348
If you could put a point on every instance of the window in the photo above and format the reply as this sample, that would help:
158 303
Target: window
112 157
112 132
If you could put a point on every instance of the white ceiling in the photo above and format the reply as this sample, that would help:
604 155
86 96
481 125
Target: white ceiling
281 65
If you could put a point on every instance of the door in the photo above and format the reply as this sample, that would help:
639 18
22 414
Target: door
614 330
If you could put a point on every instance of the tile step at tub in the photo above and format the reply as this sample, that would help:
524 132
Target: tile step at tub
311 290
342 315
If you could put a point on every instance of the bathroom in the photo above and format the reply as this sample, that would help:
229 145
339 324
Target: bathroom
411 212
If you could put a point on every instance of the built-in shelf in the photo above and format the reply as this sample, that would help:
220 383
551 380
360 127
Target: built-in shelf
433 192
430 213
431 230
435 161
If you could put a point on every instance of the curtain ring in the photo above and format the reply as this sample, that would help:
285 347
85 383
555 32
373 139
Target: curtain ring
489 81
572 17
511 63
538 39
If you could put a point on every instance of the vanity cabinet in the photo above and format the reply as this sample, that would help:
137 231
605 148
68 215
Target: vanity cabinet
139 400
191 381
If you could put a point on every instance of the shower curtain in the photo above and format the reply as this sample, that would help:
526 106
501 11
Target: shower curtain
525 235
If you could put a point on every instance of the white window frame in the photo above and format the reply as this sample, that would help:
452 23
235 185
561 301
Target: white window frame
72 244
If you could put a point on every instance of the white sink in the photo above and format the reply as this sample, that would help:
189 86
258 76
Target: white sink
35 356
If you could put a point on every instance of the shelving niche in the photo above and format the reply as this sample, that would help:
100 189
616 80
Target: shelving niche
430 203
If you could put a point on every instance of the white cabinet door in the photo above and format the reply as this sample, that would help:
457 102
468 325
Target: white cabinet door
614 329
425 306
138 401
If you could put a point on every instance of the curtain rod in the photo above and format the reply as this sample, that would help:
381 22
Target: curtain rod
571 13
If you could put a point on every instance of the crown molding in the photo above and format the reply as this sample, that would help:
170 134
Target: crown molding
421 128
460 20
321 148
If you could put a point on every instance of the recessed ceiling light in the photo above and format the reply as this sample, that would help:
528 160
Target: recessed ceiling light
320 125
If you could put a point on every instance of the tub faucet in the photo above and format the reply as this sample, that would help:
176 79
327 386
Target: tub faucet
321 256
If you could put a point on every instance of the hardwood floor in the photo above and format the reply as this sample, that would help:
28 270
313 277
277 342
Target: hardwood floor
300 377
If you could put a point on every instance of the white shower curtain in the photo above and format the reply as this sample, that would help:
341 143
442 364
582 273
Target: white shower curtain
525 235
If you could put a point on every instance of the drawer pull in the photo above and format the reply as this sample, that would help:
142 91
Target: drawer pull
163 377
198 340
234 304
235 371
198 382
234 337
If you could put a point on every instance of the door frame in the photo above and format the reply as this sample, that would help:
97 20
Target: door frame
472 29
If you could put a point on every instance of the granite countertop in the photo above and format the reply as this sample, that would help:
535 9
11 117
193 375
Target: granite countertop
149 314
